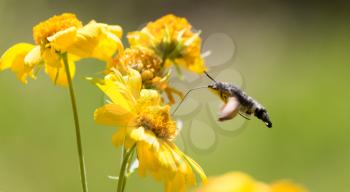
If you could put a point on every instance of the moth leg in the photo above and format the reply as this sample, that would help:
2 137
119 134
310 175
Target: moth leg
244 115
170 91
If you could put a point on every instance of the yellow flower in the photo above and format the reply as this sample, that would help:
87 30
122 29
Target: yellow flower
171 37
145 123
144 61
62 34
148 64
286 186
234 182
241 182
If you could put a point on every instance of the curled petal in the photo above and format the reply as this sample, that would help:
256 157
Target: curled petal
33 58
115 29
116 89
14 58
97 40
63 39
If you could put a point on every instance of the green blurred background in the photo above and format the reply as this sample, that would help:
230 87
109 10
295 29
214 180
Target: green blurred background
294 56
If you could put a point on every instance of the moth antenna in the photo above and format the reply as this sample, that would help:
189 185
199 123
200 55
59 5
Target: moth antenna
183 99
206 73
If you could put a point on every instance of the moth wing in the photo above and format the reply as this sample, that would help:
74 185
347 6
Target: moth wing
230 109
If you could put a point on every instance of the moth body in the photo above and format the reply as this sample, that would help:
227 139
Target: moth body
247 105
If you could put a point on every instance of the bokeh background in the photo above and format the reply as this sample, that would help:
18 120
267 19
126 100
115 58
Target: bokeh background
293 56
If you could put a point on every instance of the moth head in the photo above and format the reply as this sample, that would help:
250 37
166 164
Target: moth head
262 114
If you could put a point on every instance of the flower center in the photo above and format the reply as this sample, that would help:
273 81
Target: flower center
53 25
146 62
158 120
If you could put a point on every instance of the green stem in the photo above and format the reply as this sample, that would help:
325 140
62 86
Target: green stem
123 169
127 173
76 122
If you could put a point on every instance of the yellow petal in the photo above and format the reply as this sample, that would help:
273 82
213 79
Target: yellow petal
262 187
115 29
134 82
118 138
63 39
13 53
140 39
147 137
137 134
97 40
14 58
147 161
197 168
197 65
51 57
164 162
191 162
33 57
58 74
150 96
287 186
232 182
177 184
117 91
112 114
167 157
